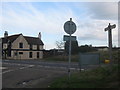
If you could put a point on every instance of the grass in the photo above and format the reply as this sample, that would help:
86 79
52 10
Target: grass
74 58
102 77
105 55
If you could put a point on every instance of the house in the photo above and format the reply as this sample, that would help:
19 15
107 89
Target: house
22 47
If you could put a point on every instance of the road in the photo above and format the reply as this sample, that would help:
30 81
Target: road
42 63
32 73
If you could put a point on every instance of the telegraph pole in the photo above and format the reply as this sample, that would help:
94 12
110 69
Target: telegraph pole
109 29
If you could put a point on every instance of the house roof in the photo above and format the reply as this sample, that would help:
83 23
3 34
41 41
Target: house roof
33 40
11 38
30 40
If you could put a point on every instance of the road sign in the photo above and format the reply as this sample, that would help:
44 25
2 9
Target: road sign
109 29
112 26
87 59
67 38
70 27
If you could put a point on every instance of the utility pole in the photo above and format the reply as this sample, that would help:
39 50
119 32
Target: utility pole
109 29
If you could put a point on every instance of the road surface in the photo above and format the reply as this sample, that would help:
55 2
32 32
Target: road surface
32 73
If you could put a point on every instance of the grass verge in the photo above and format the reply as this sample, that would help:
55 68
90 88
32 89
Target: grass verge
102 77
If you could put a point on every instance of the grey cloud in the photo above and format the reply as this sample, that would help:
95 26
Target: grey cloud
89 37
103 10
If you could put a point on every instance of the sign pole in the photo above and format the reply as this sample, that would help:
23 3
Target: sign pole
110 42
69 51
70 28
109 29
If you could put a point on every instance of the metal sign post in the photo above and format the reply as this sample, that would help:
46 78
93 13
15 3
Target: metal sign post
70 28
109 29
69 50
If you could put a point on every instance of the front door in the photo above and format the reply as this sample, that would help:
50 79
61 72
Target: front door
37 54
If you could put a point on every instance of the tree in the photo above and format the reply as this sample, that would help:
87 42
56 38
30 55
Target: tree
86 48
74 47
60 44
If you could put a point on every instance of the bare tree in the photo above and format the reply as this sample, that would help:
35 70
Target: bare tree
60 44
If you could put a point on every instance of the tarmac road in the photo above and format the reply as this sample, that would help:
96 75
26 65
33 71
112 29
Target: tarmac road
42 63
32 74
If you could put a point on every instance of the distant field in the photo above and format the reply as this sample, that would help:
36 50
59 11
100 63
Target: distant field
102 77
74 58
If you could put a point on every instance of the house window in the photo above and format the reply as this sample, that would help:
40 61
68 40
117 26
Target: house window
30 47
20 52
37 47
30 54
37 54
20 45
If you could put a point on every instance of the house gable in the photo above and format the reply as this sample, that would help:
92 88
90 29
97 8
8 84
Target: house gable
20 39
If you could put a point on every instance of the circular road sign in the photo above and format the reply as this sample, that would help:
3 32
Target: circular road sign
70 27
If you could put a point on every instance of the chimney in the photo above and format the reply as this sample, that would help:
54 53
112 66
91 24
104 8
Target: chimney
39 35
6 34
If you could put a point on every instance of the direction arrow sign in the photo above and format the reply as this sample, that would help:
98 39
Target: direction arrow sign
67 38
113 26
110 27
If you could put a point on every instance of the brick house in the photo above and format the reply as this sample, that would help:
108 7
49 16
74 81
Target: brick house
22 47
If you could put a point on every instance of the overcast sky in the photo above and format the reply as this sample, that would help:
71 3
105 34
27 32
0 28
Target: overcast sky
30 18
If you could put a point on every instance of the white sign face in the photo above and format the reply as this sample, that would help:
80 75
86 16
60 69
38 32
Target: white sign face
70 27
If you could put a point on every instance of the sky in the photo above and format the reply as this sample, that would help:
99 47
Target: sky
30 18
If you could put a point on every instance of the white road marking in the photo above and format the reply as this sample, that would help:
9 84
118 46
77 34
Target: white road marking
7 71
58 67
31 65
22 67
81 69
6 60
26 66
3 67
